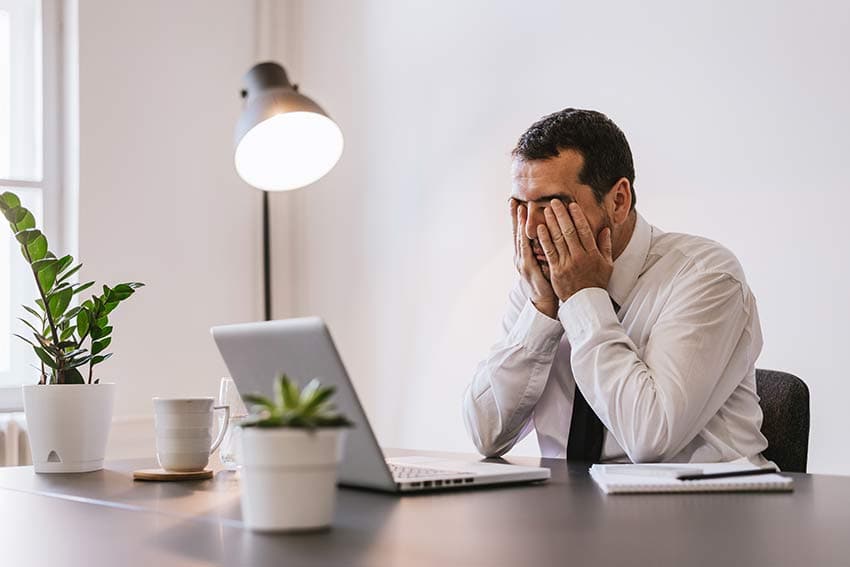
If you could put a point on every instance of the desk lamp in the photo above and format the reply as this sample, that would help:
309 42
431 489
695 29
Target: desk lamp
284 141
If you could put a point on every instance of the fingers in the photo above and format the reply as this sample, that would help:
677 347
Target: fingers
524 245
514 222
566 226
524 253
547 244
605 246
513 205
585 233
555 234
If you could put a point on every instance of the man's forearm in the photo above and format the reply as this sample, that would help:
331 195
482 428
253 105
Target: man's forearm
508 383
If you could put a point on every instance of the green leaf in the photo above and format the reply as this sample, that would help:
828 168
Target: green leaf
99 359
109 306
9 200
82 287
20 218
98 332
40 304
45 358
59 301
79 362
46 272
69 315
308 390
26 340
72 376
28 235
30 325
83 322
102 321
33 312
71 356
70 272
319 397
64 262
16 215
122 292
98 346
286 392
258 400
37 249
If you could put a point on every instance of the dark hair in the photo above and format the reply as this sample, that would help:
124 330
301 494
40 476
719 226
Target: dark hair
606 153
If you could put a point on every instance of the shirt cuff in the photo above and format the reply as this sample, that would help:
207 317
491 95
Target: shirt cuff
585 312
535 331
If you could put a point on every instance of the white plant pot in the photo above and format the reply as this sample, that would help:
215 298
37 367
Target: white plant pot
288 478
68 425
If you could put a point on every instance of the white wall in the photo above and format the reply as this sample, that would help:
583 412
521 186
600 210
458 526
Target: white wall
737 117
159 200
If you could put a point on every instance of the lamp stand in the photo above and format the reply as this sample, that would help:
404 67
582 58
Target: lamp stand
267 278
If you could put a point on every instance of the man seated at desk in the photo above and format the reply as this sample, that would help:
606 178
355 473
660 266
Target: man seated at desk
620 342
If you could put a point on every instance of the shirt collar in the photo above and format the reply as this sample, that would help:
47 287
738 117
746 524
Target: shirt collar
629 265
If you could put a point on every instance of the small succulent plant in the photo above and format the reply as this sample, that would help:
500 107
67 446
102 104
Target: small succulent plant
308 408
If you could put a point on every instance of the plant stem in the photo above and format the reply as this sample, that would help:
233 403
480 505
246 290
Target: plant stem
41 292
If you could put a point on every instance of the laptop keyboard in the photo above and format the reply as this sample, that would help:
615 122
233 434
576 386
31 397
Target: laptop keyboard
401 472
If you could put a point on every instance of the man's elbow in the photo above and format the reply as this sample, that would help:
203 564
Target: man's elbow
487 445
650 449
645 454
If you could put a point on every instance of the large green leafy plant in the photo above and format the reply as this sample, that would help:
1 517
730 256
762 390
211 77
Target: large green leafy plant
66 338
308 408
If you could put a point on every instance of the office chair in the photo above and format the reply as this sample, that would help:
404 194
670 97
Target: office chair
784 400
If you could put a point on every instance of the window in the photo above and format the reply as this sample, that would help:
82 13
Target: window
28 84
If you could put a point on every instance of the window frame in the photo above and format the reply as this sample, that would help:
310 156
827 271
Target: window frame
53 76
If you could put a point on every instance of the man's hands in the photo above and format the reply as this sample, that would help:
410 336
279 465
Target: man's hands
575 260
537 286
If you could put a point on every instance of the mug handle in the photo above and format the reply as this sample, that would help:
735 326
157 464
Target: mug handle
223 429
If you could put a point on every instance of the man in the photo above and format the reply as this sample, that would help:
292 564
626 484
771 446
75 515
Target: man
620 342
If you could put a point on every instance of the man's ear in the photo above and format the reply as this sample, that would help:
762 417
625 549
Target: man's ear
619 201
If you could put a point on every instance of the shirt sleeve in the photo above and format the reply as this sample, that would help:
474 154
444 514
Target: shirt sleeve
656 401
499 402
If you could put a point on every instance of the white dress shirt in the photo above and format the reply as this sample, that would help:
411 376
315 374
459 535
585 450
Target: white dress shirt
671 376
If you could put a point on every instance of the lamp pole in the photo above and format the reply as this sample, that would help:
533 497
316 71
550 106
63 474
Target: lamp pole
267 263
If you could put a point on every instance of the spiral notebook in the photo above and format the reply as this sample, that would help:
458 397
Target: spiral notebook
649 478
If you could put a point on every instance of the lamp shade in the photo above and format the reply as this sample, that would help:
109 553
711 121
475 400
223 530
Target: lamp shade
284 140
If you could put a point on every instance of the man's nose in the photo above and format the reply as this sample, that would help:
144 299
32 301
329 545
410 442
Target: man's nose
535 217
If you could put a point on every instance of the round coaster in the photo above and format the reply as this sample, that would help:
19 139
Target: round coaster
164 475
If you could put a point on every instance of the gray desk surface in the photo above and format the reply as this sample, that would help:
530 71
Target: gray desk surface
105 518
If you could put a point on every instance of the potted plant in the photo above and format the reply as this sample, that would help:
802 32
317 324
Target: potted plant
291 448
69 411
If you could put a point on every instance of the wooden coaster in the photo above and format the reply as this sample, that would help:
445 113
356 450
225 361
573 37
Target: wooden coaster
164 475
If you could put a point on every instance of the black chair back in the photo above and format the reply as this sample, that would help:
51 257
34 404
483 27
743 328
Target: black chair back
785 405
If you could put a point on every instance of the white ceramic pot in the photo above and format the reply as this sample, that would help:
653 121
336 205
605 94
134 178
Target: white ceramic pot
68 425
288 478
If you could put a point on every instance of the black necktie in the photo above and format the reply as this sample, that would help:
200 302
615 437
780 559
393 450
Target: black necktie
586 431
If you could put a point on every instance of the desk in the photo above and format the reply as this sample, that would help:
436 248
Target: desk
104 518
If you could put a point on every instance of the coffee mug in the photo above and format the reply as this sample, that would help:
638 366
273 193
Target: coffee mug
184 432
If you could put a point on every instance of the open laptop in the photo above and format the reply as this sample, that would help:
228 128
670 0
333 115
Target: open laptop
302 348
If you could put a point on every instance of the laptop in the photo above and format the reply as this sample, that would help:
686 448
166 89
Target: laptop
302 348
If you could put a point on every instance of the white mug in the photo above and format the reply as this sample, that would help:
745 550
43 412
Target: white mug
184 432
